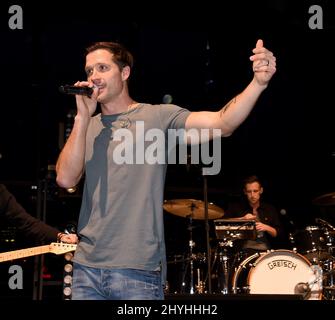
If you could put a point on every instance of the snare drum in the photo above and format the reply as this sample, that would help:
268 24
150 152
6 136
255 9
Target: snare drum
278 272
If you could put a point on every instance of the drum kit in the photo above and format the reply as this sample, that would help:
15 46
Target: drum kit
307 268
193 265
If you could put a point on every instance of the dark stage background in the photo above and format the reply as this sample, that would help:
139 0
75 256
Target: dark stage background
198 54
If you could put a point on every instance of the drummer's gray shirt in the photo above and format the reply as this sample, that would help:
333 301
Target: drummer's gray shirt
121 217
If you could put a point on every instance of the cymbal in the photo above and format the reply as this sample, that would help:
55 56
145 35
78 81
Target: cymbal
191 208
325 200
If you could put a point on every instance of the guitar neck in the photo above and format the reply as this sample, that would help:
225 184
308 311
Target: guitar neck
22 253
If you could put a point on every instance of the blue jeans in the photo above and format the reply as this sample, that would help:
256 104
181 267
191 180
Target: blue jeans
115 284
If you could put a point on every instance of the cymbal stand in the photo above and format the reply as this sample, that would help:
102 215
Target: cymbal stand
209 273
329 279
190 258
199 286
221 262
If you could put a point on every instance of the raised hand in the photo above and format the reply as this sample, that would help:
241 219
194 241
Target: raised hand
264 64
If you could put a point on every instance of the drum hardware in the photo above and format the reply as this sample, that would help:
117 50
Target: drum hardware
193 210
175 270
221 266
328 279
316 285
329 293
200 286
193 276
227 231
325 223
242 267
304 289
177 259
190 260
203 210
316 243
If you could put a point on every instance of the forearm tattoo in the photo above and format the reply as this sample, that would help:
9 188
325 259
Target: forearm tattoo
225 108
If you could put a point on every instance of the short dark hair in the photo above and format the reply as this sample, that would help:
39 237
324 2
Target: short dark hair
121 56
251 179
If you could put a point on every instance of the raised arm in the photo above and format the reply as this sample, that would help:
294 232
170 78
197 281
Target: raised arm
70 163
237 109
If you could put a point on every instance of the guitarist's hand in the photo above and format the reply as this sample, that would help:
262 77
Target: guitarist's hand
68 238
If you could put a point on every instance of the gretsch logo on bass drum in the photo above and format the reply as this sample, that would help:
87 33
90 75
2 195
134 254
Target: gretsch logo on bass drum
282 264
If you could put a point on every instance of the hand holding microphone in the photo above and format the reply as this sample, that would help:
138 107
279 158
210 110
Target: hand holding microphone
86 97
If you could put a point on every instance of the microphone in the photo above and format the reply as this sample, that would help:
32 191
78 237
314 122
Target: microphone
83 91
303 288
325 223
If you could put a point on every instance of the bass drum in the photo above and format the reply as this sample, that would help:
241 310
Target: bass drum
278 272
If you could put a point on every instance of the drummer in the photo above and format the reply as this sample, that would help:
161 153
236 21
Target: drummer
268 224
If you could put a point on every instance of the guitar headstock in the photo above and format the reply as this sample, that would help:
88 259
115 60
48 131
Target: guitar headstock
60 247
